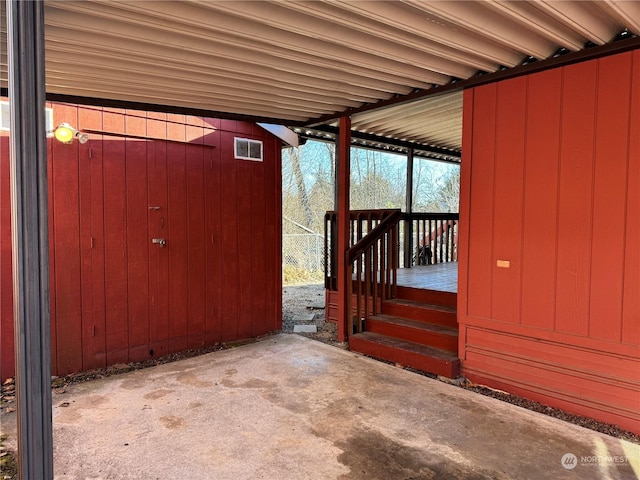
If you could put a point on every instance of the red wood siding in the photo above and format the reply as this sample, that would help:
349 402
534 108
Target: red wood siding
115 296
550 184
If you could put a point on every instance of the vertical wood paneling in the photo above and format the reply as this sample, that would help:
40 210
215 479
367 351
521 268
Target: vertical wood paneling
158 228
465 202
52 262
230 272
177 246
115 242
213 199
507 206
481 200
97 345
259 315
276 270
575 202
115 296
158 257
84 214
248 246
138 243
66 228
196 251
580 276
7 360
631 299
540 212
609 197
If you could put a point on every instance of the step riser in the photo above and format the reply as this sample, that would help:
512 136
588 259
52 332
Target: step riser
450 369
421 314
411 334
432 297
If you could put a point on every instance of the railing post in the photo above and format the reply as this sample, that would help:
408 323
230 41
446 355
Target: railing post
408 222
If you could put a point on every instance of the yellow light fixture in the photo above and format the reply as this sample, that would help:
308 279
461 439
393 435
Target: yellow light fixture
65 133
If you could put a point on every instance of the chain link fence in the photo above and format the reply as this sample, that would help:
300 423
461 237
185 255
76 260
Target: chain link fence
302 257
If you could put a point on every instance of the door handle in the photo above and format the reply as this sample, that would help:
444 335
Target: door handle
159 241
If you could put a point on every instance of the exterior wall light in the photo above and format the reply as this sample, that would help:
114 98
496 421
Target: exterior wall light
65 133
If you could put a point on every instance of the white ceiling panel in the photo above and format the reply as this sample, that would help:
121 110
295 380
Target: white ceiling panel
298 62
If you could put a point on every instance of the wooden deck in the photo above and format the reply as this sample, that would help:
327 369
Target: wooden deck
442 277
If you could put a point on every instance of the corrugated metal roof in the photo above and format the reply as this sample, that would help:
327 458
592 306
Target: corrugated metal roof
295 62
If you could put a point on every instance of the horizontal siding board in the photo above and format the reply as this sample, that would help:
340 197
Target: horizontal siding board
628 420
620 399
614 368
615 348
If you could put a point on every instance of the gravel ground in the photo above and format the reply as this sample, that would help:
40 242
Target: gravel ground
299 301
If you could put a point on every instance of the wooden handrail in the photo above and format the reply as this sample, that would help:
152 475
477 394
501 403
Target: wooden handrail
375 257
374 235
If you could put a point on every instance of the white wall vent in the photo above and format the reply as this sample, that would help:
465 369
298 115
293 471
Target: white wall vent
245 149
5 119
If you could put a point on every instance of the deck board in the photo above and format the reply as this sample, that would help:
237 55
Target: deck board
442 277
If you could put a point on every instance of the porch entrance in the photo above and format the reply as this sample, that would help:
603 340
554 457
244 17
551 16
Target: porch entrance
404 315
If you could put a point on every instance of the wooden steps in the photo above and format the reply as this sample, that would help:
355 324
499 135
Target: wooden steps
410 354
419 329
424 312
434 335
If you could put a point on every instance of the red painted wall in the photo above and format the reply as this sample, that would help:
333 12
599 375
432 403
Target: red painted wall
115 296
551 184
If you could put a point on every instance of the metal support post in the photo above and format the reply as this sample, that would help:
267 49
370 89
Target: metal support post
30 237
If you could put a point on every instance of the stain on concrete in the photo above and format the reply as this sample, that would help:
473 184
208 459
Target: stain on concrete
131 383
172 422
189 378
155 394
371 456
251 383
72 412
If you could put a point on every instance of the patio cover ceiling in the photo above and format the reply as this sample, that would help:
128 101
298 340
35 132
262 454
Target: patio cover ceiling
307 63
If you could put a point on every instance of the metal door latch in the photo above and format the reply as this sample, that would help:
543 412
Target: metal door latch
159 241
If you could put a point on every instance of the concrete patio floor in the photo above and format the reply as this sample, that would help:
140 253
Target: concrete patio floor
291 408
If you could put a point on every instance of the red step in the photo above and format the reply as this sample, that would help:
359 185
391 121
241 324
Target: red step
422 312
410 354
432 297
437 336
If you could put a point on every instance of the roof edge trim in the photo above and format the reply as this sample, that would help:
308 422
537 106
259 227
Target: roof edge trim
591 53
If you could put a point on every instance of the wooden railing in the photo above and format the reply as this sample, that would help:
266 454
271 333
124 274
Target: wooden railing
361 222
430 238
371 273
425 238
